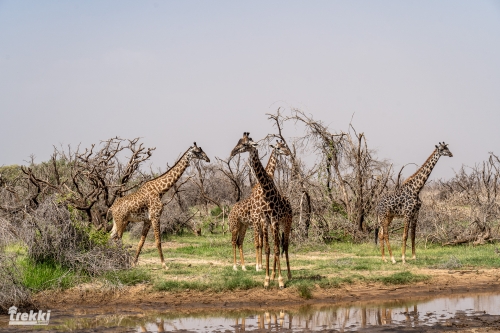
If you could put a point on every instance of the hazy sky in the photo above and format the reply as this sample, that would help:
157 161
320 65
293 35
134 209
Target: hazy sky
413 73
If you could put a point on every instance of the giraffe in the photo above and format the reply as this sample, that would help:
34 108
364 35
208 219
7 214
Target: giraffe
145 204
249 211
278 212
405 203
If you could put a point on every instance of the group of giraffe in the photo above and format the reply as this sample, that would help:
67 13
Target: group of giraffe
265 208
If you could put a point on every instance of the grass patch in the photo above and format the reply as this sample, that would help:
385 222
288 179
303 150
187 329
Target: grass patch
46 275
305 290
220 281
128 277
405 277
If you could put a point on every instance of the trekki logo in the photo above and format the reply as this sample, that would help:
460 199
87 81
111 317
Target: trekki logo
31 318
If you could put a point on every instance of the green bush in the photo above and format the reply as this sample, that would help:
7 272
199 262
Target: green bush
304 291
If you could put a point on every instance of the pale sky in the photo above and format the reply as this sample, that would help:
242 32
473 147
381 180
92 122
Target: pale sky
413 73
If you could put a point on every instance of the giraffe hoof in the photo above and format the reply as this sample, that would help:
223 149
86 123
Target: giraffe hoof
266 282
414 257
243 268
235 268
281 283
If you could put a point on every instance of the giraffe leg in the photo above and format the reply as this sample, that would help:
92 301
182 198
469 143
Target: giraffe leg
144 234
382 242
273 274
413 228
259 251
154 214
241 238
276 233
261 242
386 238
258 245
286 240
234 256
268 252
405 238
234 239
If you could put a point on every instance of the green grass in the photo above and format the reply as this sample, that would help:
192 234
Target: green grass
47 275
129 277
228 280
402 278
204 263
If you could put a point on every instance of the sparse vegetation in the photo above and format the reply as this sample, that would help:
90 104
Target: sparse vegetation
54 224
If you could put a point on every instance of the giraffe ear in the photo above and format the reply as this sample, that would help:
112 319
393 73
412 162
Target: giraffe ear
272 146
436 146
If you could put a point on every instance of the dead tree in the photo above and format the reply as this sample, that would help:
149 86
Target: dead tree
353 178
90 180
477 189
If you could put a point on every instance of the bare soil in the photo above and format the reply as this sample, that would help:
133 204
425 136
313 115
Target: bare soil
143 297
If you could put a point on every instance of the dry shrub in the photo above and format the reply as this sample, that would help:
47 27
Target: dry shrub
53 233
12 291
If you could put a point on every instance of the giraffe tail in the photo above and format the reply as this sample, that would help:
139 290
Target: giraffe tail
376 235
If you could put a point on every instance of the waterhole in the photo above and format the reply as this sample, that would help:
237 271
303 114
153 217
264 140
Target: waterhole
396 316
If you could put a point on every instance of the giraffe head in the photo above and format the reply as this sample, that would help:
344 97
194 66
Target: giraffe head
443 150
244 144
197 152
281 148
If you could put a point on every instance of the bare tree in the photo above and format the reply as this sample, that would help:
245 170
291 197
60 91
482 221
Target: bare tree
352 177
90 180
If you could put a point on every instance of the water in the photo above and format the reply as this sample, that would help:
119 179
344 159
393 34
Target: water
367 317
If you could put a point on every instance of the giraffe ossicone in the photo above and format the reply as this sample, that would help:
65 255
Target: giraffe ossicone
145 204
405 202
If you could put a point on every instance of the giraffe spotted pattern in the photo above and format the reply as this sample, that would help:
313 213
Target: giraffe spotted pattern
145 204
405 203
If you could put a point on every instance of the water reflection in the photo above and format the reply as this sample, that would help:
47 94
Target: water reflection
341 319
355 317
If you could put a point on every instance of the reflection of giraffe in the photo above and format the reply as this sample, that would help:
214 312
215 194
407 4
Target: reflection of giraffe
384 316
405 202
160 326
145 204
278 213
250 210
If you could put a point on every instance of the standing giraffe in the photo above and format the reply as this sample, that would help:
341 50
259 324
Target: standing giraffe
405 202
145 205
278 212
250 211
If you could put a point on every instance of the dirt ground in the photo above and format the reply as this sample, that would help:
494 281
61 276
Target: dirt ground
442 283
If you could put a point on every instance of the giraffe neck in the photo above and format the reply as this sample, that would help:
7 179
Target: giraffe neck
271 164
417 180
164 182
265 181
